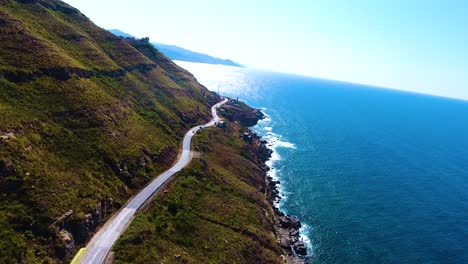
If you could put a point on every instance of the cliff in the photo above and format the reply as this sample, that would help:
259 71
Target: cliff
86 119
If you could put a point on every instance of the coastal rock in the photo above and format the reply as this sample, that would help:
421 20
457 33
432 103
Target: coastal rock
290 222
286 242
287 227
294 233
274 191
235 110
278 212
300 248
274 183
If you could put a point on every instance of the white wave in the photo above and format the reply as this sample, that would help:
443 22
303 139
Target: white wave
305 233
285 144
273 173
275 156
265 120
271 138
275 141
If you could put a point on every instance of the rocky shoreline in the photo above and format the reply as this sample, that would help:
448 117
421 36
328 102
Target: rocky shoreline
287 227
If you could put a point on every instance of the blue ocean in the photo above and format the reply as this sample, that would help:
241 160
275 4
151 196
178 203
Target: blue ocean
374 175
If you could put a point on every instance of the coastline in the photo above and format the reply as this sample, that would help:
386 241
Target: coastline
220 209
287 227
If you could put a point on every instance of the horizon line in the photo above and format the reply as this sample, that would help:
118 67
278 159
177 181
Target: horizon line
369 85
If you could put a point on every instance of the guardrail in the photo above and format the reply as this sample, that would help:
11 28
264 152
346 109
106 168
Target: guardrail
79 255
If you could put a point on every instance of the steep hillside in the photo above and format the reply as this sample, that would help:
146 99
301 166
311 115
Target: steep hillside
86 118
215 211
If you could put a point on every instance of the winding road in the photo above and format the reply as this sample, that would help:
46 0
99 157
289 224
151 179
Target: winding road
102 242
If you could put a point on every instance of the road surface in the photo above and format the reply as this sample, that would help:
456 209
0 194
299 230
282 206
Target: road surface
104 239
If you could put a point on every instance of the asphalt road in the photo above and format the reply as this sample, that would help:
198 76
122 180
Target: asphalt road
104 239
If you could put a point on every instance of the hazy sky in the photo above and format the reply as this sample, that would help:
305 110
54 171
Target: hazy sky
418 45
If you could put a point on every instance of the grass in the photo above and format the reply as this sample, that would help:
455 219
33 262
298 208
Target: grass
212 212
80 142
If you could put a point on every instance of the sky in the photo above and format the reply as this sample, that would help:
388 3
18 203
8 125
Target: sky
415 45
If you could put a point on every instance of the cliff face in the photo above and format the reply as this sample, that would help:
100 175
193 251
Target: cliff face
86 118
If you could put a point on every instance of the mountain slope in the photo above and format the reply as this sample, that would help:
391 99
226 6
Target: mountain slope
215 211
86 118
178 53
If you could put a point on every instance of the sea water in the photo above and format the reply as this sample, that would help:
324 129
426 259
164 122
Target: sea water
374 175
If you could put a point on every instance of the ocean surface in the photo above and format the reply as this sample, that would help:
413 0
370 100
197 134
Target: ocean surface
375 175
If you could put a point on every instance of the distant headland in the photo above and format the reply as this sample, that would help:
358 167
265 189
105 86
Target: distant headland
178 53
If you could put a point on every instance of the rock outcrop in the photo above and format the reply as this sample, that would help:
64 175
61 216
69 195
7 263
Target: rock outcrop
287 226
235 110
74 230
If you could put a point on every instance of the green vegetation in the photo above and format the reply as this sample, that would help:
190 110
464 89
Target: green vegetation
212 212
86 119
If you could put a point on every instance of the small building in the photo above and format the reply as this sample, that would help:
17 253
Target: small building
221 124
247 137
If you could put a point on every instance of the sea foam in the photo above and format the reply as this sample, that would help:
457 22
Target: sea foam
274 141
305 232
